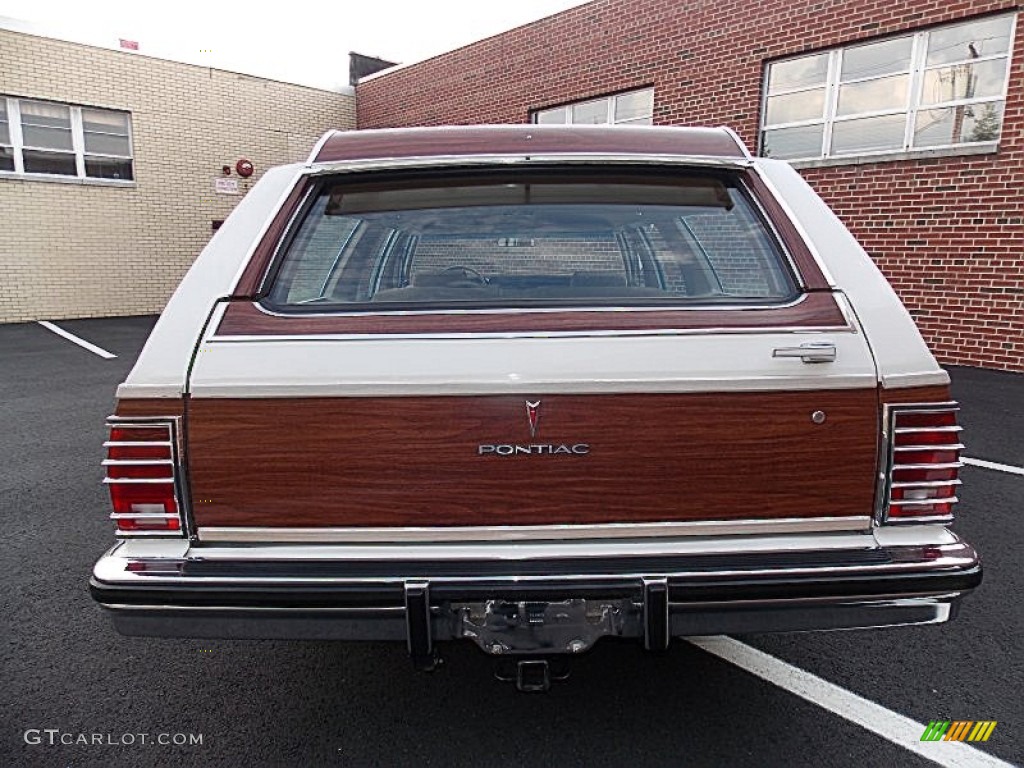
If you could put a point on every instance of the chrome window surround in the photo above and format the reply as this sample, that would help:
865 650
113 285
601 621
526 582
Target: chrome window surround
501 162
888 451
173 425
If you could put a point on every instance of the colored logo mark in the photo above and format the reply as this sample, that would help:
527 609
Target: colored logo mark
959 730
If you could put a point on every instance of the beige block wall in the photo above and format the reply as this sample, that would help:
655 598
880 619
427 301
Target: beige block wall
89 250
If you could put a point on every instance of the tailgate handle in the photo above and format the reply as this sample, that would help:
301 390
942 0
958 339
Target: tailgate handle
811 352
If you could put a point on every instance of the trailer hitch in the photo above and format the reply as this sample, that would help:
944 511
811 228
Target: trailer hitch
533 674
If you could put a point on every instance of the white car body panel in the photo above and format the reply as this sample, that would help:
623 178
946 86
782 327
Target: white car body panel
162 366
903 357
618 361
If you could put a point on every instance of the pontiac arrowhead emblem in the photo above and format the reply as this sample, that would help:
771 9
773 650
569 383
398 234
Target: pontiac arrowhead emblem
533 415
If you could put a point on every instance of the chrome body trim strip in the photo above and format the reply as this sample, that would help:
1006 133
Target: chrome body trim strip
139 444
508 160
137 480
135 462
947 465
923 502
249 338
925 483
531 532
800 299
935 519
113 571
943 447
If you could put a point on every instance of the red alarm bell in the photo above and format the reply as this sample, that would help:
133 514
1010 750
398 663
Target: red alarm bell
244 168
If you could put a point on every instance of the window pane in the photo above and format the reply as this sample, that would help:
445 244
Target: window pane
6 159
590 112
957 125
873 95
785 143
964 81
969 41
884 58
49 162
38 113
105 144
629 106
798 73
523 240
556 116
105 121
868 134
791 107
5 132
46 138
108 168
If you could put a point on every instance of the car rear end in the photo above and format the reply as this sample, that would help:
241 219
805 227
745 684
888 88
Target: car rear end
533 387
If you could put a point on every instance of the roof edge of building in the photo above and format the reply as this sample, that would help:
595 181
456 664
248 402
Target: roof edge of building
29 29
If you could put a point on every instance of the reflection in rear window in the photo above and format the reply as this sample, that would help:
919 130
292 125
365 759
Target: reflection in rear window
531 243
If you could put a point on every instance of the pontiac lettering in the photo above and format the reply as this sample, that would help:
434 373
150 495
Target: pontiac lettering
577 449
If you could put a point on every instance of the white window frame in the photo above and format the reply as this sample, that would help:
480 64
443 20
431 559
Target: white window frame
917 72
611 102
77 142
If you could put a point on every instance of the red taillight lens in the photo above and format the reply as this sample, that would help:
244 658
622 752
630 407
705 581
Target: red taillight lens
140 467
923 472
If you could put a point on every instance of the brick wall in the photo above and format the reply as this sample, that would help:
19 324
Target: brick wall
948 232
79 250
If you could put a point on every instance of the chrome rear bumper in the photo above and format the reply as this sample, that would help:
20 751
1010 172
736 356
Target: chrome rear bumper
422 601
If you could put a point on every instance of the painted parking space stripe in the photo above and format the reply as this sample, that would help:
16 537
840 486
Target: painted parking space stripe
76 340
993 465
890 725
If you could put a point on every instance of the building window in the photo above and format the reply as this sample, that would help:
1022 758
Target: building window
633 108
43 138
941 88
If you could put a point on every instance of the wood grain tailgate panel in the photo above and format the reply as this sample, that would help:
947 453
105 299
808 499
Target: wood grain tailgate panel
413 461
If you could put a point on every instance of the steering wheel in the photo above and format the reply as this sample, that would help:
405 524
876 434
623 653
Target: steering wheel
468 273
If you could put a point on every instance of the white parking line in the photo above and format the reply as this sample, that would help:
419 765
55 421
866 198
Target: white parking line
76 340
993 465
890 725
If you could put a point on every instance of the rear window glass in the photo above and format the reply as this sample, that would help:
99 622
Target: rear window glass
539 242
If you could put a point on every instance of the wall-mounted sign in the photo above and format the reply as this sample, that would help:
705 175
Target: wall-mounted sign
225 186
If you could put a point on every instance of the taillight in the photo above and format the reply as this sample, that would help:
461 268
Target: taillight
922 473
140 467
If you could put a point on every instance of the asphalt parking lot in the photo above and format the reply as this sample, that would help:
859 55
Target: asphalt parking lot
314 703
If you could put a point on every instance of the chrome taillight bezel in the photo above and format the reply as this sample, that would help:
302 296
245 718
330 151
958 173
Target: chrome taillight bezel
172 425
890 414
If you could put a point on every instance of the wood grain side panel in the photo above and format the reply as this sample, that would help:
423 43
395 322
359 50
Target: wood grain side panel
414 461
816 310
149 406
932 394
